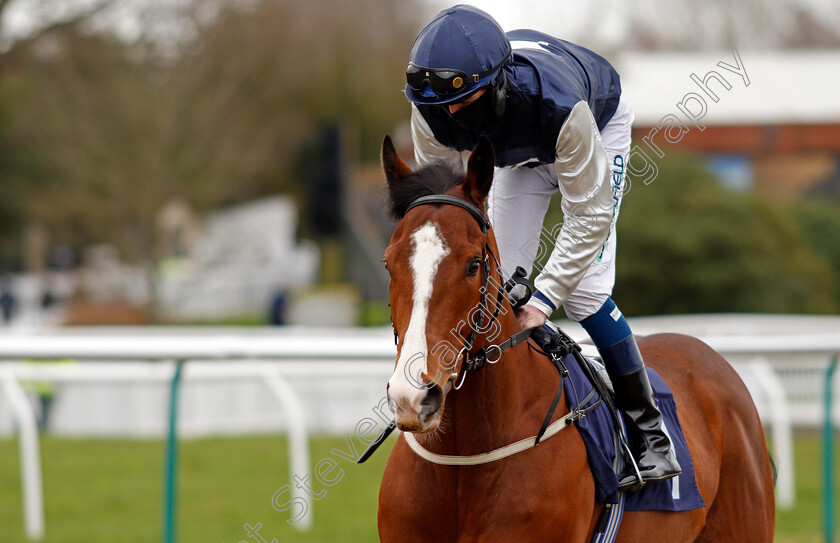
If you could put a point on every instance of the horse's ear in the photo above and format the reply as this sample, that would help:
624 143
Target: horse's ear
395 168
480 171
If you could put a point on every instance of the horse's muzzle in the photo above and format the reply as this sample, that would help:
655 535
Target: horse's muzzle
416 416
431 403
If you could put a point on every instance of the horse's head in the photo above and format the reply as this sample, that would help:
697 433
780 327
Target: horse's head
443 285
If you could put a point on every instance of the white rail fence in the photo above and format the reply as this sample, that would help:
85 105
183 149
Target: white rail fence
768 364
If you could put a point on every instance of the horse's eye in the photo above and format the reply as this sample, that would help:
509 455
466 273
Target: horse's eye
474 266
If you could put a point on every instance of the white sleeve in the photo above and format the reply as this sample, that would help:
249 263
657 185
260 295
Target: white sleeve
583 176
428 149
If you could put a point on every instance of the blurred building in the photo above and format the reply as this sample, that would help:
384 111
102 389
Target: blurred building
239 262
243 258
767 121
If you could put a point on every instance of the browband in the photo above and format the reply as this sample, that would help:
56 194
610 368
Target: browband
482 219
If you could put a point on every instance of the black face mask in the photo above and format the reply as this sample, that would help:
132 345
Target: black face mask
478 113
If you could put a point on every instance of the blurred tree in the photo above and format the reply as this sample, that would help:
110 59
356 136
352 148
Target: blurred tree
157 27
90 120
687 245
96 134
16 166
717 24
262 81
820 222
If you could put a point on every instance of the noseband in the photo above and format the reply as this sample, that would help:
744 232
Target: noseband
475 361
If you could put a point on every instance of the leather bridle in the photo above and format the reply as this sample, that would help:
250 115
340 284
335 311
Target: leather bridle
475 361
492 353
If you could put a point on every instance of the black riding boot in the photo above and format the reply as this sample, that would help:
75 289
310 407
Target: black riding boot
634 396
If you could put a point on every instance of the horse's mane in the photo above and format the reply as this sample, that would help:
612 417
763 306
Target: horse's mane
435 178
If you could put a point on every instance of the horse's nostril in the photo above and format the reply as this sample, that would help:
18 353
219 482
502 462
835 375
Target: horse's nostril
431 402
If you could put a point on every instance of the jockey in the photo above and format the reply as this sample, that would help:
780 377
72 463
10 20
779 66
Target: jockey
558 123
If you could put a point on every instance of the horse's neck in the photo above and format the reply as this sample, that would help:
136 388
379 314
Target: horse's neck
500 403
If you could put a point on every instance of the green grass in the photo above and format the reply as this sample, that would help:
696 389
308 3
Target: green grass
111 491
105 491
804 522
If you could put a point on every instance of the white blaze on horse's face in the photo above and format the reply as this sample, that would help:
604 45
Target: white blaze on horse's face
406 386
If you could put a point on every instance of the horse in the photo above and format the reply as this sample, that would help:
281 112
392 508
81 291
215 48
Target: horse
445 311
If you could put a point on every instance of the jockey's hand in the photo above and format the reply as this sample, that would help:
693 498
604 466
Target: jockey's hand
530 317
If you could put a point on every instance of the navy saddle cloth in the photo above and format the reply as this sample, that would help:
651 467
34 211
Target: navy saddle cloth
677 494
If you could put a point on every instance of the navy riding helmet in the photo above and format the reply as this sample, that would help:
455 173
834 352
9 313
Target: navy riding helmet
460 51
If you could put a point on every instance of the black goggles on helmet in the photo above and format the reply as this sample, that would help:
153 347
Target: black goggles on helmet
445 81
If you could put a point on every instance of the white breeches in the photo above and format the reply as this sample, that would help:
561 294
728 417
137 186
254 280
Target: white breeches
517 204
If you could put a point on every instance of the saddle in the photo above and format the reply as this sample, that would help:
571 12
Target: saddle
604 432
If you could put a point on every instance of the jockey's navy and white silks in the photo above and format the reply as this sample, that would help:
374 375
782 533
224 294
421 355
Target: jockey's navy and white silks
559 124
546 79
518 202
565 122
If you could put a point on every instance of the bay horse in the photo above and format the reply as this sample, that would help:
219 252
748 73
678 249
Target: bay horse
439 260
